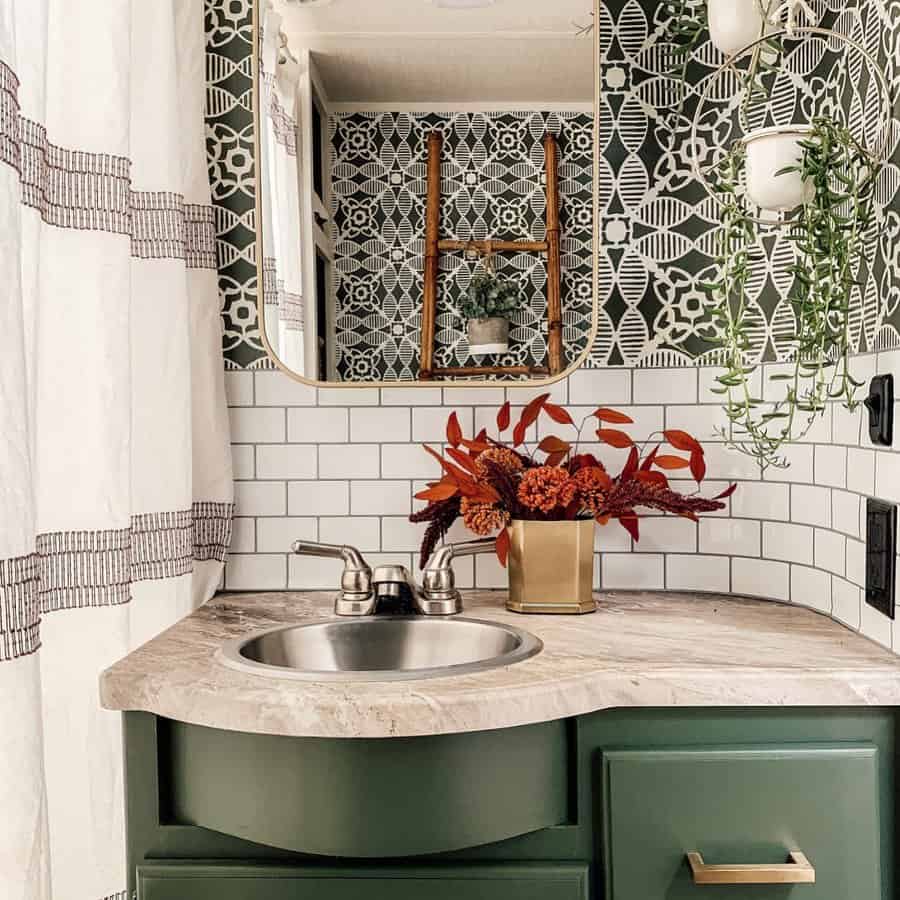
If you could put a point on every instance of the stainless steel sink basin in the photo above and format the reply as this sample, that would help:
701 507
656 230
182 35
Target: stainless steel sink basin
380 649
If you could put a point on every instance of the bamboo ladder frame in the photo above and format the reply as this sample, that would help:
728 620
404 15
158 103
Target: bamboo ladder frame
434 246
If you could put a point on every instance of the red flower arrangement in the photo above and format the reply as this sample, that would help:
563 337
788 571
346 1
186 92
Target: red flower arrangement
489 483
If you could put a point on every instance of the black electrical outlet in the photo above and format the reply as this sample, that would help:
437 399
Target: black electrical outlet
880 404
881 555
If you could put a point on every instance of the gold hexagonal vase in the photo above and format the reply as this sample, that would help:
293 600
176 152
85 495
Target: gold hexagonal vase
551 567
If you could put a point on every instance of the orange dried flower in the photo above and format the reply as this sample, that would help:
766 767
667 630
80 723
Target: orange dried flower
592 484
500 457
546 488
483 519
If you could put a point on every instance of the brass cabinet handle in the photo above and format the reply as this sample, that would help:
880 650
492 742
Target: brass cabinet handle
798 871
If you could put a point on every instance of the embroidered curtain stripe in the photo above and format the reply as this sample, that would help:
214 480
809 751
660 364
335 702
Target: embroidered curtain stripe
19 607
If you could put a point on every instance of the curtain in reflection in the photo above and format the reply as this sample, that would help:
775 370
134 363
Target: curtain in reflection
279 173
115 474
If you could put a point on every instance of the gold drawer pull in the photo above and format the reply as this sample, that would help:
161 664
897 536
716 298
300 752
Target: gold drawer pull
798 871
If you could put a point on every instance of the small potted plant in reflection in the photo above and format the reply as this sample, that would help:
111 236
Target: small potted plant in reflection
542 499
487 305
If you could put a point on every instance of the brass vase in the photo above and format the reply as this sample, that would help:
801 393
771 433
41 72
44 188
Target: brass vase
551 567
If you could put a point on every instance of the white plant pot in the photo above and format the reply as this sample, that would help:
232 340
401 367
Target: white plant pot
735 24
488 336
769 150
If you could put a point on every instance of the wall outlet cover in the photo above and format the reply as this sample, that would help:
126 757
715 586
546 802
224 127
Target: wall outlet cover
881 556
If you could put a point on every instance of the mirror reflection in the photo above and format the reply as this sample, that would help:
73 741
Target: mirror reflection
426 188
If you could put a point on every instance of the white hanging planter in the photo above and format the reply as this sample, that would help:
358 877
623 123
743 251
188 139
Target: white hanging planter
487 336
769 151
735 24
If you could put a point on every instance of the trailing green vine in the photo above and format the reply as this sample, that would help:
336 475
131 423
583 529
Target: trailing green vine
829 236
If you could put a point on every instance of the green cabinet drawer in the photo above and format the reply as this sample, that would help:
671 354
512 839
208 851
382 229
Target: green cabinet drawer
744 806
227 881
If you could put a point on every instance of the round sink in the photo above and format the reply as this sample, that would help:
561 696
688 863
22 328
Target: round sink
389 648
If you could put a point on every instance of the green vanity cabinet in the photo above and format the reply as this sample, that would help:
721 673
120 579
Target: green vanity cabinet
233 882
604 806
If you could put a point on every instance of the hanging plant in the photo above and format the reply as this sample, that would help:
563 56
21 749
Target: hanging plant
487 304
837 178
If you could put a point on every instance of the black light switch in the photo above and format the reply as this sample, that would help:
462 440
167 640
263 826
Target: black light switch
880 404
881 555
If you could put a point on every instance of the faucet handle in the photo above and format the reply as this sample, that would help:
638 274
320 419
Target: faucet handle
439 594
356 597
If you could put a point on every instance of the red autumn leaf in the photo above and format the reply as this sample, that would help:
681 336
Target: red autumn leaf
475 446
727 492
585 461
502 546
519 434
458 474
613 416
463 459
454 431
681 440
630 524
631 465
481 437
554 444
614 438
479 493
689 515
442 490
652 478
503 417
528 417
555 459
698 466
647 464
558 414
671 462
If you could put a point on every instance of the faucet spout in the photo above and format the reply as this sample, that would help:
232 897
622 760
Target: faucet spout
439 593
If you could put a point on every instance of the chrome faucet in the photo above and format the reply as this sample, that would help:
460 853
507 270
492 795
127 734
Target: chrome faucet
366 592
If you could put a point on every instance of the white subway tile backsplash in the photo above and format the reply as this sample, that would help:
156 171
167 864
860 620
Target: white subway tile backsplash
875 625
239 388
276 535
489 573
831 551
380 425
319 498
600 387
695 572
846 425
399 534
420 396
521 394
665 385
255 572
699 421
277 389
630 571
611 538
761 578
362 532
761 500
255 425
348 396
845 602
730 537
349 461
726 464
831 466
473 396
243 537
791 543
243 462
311 573
810 587
861 471
708 376
317 426
259 498
665 534
800 465
408 461
429 425
856 562
811 505
381 498
820 430
287 461
887 476
845 513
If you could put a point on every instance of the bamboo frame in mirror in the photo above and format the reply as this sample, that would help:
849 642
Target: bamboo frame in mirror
481 373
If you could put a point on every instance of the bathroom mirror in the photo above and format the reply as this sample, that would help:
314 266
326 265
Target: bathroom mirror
426 206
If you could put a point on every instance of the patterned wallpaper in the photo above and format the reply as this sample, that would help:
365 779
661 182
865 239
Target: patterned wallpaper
657 222
492 186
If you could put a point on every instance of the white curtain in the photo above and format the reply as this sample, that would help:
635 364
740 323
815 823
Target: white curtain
115 474
279 176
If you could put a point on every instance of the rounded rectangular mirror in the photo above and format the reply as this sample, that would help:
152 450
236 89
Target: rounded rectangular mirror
426 203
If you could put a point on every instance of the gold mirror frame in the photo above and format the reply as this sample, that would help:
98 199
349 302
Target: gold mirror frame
456 382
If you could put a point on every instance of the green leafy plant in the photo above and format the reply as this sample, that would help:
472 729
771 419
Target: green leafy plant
490 295
828 235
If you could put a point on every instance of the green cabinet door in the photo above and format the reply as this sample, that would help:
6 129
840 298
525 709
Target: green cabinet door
742 806
228 881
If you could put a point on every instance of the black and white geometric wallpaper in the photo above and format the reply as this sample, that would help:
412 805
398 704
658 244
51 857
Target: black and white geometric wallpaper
492 186
657 223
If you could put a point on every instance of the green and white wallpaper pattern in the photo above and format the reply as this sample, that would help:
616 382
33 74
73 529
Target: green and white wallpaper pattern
657 221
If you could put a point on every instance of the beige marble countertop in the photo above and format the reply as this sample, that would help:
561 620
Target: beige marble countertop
639 650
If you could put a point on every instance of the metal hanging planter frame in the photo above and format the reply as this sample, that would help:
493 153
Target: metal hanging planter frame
877 154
